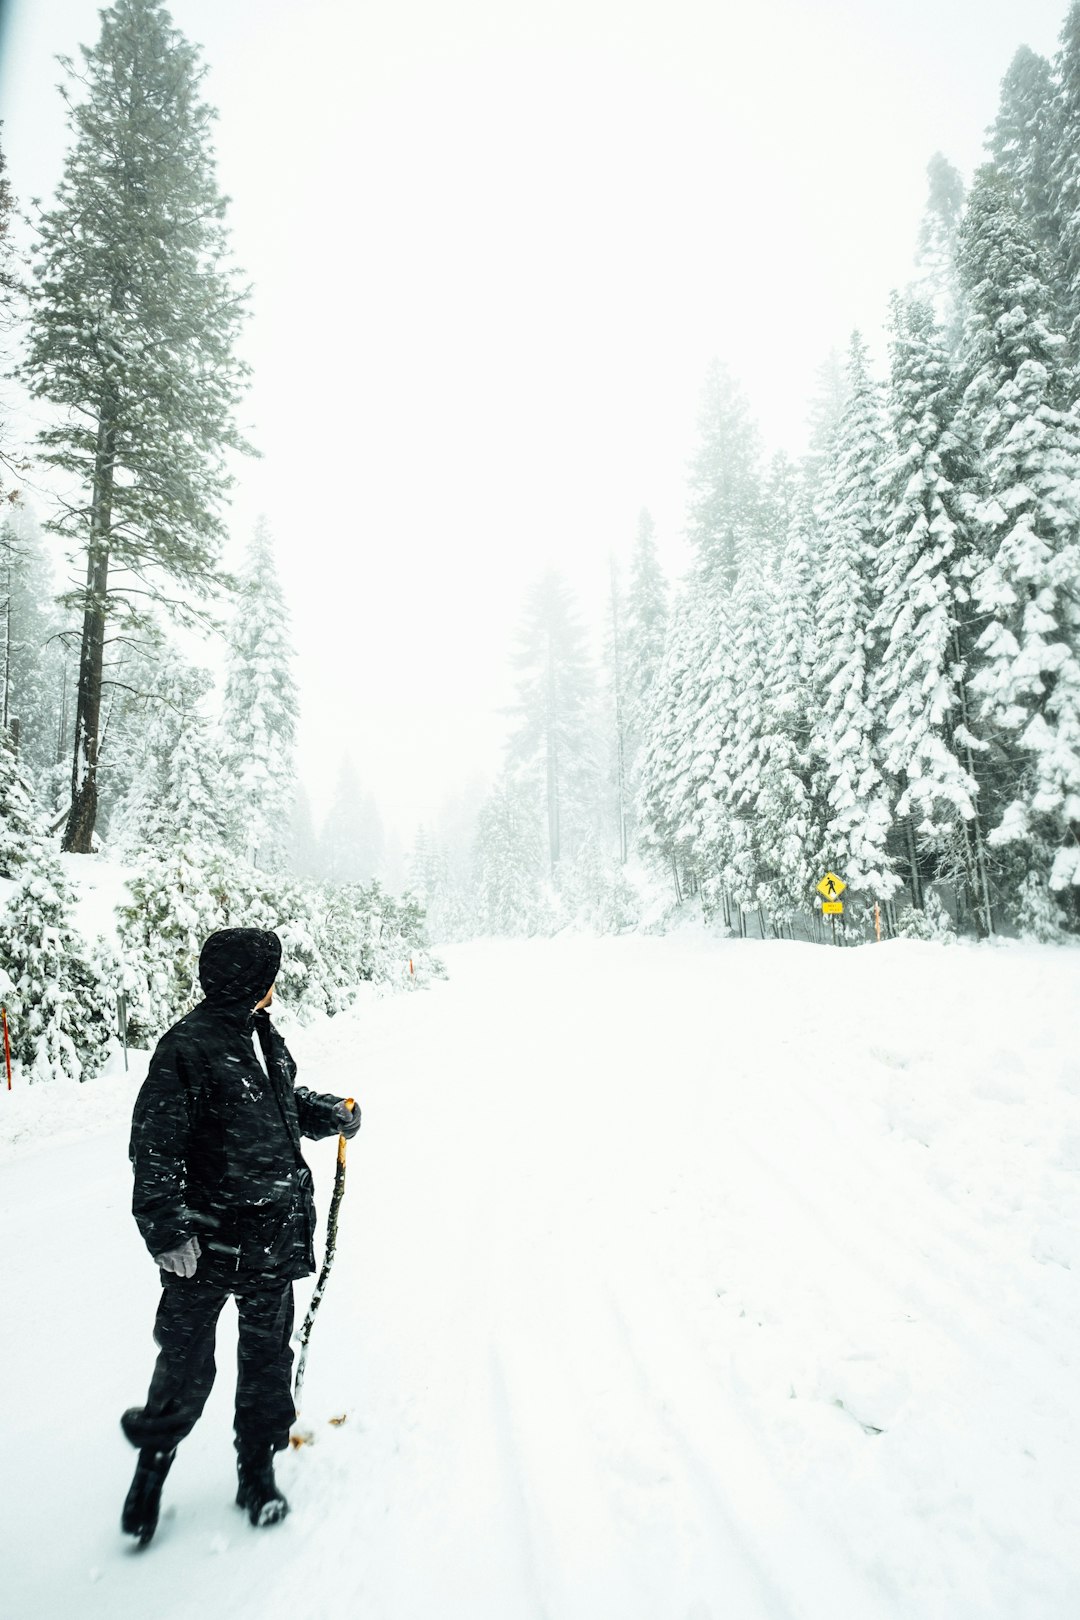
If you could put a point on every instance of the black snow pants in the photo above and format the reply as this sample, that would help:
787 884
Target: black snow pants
184 1332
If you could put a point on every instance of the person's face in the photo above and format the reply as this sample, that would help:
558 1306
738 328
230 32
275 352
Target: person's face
266 1000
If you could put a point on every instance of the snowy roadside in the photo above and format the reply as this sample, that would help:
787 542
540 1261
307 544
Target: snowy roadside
676 1277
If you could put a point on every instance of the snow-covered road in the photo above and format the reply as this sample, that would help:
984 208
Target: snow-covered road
677 1280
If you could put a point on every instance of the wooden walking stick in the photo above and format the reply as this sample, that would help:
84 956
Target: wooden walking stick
328 1259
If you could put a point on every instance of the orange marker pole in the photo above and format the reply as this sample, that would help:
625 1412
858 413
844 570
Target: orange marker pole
877 921
7 1046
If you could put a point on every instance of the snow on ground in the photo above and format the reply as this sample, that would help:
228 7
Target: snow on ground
677 1280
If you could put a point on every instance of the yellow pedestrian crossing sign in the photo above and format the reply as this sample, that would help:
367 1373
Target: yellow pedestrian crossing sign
831 887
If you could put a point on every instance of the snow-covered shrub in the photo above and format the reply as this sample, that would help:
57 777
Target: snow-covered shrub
177 899
334 937
1040 915
598 887
62 998
373 939
932 923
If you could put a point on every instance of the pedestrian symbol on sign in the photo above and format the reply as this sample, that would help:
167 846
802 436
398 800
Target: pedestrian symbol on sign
831 887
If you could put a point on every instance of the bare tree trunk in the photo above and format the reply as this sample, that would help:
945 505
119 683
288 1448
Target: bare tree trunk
974 837
79 832
917 898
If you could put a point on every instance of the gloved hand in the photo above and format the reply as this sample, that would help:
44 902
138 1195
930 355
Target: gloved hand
183 1260
347 1119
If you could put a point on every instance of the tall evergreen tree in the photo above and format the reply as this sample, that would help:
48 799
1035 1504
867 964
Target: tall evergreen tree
682 740
921 688
823 419
646 624
1023 139
1065 172
303 839
725 478
847 735
179 793
1019 405
790 810
749 624
135 314
509 860
261 710
351 841
7 291
939 236
645 630
615 662
31 659
554 741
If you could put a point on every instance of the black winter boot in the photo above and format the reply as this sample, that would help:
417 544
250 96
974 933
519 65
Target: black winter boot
143 1502
258 1491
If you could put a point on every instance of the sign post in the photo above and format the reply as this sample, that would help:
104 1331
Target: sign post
121 1019
831 888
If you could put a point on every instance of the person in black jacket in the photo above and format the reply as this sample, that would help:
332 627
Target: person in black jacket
224 1202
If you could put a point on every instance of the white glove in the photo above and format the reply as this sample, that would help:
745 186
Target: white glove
183 1260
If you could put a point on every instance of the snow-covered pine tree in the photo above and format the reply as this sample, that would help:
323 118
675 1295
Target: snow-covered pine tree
725 478
22 831
1023 139
510 860
644 632
847 729
431 881
260 711
178 896
1065 175
1018 404
783 493
351 840
179 793
646 620
823 419
63 1002
7 291
679 752
454 915
726 513
30 662
135 314
303 839
554 742
935 279
921 685
748 626
790 809
619 733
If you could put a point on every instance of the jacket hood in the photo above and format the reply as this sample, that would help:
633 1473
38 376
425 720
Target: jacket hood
237 966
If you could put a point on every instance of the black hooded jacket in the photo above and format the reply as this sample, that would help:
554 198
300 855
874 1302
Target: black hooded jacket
215 1141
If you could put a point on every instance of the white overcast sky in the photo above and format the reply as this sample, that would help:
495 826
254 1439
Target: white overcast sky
494 245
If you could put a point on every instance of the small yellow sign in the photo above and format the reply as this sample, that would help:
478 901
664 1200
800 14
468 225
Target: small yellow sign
833 908
831 886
